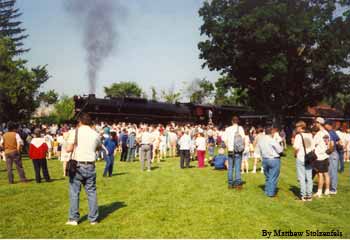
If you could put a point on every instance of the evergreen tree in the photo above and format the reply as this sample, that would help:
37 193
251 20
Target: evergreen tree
10 27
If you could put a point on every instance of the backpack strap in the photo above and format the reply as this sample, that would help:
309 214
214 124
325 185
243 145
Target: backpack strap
302 140
75 143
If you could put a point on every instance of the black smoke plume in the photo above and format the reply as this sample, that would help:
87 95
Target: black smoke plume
98 20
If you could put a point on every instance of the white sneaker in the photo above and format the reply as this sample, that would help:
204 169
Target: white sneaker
318 195
333 192
72 223
94 223
253 171
148 170
326 193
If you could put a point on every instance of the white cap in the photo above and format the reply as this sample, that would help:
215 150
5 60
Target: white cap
320 120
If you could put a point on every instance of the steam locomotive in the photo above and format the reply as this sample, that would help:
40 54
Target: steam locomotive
138 110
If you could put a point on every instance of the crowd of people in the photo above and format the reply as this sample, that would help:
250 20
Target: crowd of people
237 146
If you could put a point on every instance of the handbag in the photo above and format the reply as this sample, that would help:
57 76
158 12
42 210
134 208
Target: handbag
72 164
310 157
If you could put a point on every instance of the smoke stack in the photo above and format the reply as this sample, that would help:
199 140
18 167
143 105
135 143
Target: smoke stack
98 21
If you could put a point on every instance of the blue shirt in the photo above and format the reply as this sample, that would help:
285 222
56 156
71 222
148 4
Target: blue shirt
123 139
268 147
110 145
219 161
334 137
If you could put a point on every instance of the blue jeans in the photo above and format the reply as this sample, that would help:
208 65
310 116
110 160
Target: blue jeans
272 172
86 175
109 165
131 154
341 161
211 151
333 170
234 161
304 174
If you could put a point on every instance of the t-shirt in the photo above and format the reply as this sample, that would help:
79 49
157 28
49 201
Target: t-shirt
185 142
321 141
298 145
219 161
229 135
110 145
88 142
201 143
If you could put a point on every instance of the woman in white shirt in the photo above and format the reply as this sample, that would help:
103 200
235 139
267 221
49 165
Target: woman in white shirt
201 147
303 143
257 157
64 154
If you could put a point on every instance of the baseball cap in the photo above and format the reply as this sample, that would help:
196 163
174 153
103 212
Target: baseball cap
320 120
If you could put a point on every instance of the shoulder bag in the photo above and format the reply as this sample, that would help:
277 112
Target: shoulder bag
310 157
72 164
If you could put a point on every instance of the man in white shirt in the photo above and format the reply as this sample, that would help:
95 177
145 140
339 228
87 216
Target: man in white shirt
146 148
322 145
83 148
270 151
234 158
185 146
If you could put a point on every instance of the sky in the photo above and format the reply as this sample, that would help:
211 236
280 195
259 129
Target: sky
157 45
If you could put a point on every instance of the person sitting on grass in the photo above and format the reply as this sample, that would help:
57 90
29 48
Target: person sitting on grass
220 161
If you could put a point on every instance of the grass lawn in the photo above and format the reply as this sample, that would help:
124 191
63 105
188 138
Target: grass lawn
168 203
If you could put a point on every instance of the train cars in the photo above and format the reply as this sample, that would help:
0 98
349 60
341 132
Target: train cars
143 110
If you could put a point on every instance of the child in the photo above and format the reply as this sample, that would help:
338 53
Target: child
109 145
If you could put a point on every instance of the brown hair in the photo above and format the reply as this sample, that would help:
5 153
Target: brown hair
235 119
85 119
301 124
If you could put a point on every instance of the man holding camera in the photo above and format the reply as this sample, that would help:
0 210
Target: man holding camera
83 144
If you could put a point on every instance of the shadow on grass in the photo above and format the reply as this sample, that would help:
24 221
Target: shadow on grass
295 190
58 179
106 210
262 187
119 174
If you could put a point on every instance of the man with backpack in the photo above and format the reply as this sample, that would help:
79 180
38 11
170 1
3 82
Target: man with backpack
234 141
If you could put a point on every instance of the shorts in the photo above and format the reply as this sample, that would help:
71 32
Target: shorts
321 166
245 156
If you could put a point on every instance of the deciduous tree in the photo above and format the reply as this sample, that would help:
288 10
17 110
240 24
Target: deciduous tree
123 89
285 54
